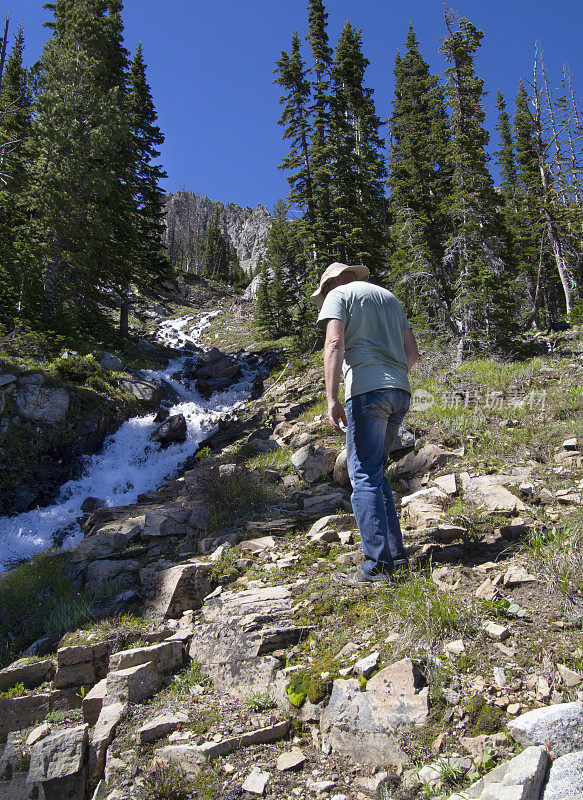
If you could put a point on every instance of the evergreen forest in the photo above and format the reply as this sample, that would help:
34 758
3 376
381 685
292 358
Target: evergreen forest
472 258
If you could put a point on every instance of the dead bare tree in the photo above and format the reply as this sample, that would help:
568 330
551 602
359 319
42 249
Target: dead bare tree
547 142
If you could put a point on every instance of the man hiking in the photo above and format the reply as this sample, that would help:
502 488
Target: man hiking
367 334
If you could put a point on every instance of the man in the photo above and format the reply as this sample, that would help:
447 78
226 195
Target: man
368 335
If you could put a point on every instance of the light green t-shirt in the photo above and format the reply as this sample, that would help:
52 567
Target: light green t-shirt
374 355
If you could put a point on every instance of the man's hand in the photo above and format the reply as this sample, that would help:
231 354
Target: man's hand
337 414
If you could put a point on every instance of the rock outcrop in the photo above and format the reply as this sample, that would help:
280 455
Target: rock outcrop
188 215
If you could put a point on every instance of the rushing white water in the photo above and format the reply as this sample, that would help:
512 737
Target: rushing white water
129 463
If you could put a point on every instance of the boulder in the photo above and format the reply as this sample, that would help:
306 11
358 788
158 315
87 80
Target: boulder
93 702
103 733
81 665
187 756
43 402
91 503
485 490
171 591
58 762
521 778
170 519
363 725
424 508
170 431
404 440
110 362
429 457
132 685
561 725
215 371
341 470
313 462
238 633
565 781
7 380
145 391
21 712
29 674
103 543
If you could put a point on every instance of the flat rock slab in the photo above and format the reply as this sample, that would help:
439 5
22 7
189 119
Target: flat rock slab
30 675
172 591
239 631
291 759
187 756
59 755
167 656
160 726
363 725
271 733
565 780
256 781
424 508
521 778
560 724
339 522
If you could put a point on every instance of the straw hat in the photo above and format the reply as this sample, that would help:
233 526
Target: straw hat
333 271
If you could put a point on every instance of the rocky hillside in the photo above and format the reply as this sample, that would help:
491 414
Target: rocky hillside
188 216
199 646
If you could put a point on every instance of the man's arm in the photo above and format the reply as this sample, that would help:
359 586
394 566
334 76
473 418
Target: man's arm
410 345
333 356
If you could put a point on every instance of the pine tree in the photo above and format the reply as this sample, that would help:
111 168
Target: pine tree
83 216
475 251
321 228
150 261
292 77
263 303
219 258
15 121
357 163
420 184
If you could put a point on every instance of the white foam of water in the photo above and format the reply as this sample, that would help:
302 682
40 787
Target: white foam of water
129 463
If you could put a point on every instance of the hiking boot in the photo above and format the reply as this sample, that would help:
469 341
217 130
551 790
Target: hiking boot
357 577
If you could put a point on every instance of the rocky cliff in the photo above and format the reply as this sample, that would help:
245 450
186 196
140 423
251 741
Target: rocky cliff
188 216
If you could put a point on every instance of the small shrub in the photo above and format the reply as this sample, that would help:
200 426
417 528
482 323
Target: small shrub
192 675
15 691
62 715
166 782
259 701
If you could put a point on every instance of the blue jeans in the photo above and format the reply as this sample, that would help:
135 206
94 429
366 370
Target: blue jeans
373 422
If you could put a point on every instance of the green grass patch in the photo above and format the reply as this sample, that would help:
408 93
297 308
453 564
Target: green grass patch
556 555
166 781
192 675
36 598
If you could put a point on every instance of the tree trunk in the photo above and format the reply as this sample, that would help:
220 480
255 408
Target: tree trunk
124 317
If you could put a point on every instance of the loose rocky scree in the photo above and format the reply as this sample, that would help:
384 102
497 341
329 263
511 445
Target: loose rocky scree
226 662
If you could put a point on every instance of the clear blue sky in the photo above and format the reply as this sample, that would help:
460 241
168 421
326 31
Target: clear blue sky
210 66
